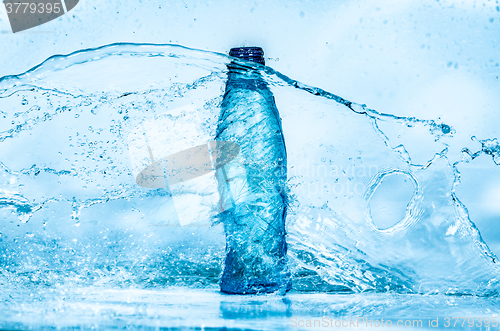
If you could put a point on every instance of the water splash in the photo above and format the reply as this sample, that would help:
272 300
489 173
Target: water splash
71 206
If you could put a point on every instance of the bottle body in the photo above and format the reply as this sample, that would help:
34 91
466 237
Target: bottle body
252 188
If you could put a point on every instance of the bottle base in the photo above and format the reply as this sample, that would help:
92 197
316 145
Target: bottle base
255 286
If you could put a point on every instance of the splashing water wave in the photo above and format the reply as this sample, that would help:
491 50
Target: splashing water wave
73 214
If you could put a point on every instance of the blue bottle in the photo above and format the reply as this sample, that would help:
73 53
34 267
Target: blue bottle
252 185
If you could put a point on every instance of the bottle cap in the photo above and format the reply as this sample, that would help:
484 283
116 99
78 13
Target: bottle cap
255 54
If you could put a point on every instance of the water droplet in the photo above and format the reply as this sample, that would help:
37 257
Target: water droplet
445 128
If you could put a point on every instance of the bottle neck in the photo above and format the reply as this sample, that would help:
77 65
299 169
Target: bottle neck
244 77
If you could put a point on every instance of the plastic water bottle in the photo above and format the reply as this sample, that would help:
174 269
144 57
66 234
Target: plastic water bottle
252 185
